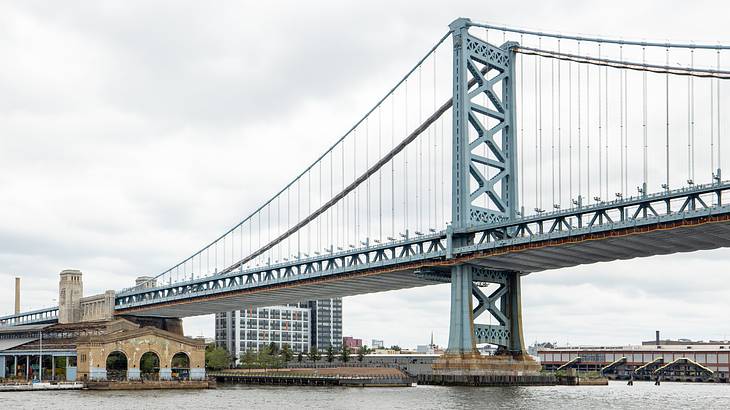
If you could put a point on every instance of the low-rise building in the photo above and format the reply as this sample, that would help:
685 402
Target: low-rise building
351 342
624 361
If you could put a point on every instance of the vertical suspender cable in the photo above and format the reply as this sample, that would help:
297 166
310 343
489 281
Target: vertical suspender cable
380 175
580 148
570 133
645 113
444 144
588 133
712 127
552 126
692 112
719 135
356 192
605 129
689 127
539 130
600 128
560 151
666 93
432 164
331 238
320 221
367 166
626 130
521 141
309 210
419 158
345 205
405 166
621 118
392 167
537 139
299 218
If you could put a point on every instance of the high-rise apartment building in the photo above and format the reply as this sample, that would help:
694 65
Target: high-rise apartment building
326 322
254 328
300 326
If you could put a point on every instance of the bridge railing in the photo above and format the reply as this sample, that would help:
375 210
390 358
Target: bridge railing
46 315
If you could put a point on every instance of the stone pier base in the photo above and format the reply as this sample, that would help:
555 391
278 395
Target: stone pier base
473 369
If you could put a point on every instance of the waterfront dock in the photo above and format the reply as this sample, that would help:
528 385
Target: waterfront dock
336 376
41 386
151 385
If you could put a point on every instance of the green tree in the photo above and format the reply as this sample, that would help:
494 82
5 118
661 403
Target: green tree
248 358
300 357
314 355
330 353
217 358
361 352
395 347
286 353
264 357
345 354
273 349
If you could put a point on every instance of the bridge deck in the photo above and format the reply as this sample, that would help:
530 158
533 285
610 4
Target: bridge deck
693 231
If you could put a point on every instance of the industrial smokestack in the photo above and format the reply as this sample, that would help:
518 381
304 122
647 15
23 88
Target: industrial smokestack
17 295
657 338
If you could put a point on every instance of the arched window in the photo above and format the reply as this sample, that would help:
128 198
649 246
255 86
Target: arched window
149 366
116 366
180 366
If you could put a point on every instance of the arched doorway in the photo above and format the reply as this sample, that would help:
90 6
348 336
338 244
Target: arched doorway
116 366
149 366
180 366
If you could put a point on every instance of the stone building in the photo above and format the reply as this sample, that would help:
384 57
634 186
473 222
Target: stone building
124 352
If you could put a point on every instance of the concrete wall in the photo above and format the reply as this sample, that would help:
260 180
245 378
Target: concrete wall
97 307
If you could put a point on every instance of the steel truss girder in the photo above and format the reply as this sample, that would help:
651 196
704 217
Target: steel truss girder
419 248
40 316
602 216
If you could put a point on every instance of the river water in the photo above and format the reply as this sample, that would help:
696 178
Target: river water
643 395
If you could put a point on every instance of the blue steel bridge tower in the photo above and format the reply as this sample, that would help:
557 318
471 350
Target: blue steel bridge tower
482 70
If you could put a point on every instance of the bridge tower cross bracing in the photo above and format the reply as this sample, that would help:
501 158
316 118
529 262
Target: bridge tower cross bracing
492 69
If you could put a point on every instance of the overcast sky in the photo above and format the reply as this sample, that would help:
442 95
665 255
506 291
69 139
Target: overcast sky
132 132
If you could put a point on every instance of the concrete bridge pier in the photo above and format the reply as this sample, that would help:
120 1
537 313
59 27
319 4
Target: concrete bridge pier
461 325
462 361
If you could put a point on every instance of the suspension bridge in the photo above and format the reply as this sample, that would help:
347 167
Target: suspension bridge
502 152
